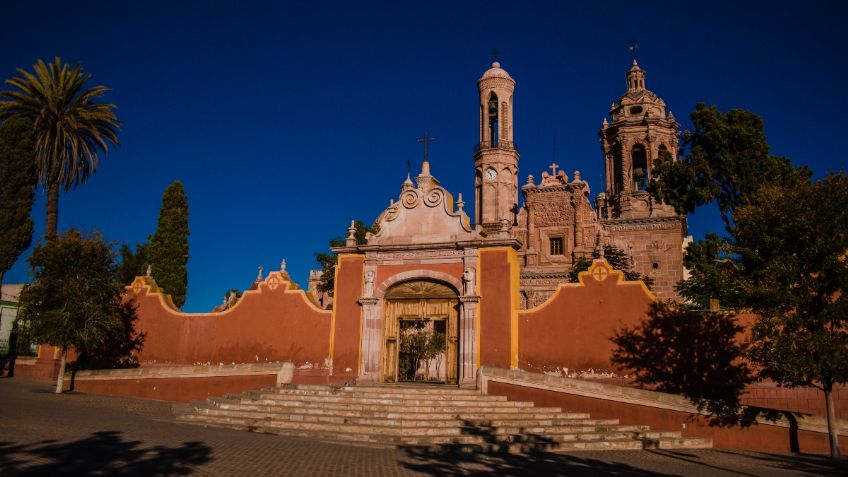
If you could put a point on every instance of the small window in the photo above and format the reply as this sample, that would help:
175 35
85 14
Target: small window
635 109
556 245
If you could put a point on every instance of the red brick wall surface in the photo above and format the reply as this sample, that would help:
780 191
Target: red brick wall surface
176 389
801 400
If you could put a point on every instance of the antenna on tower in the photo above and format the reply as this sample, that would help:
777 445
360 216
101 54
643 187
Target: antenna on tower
633 48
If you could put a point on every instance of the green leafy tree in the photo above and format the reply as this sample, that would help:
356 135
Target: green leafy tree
691 353
714 274
327 261
726 157
617 259
132 262
168 249
230 299
75 300
17 191
70 127
792 243
784 256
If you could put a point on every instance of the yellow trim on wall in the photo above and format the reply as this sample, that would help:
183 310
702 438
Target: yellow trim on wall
332 344
478 314
514 302
167 303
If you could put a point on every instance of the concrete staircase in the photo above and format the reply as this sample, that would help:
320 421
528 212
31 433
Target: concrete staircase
422 416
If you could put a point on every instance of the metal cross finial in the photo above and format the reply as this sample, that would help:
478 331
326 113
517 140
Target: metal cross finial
426 139
633 47
495 54
553 168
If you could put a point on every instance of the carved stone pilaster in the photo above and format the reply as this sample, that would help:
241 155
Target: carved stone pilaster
372 329
467 340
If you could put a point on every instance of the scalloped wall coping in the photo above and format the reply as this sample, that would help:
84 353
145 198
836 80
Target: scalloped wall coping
270 284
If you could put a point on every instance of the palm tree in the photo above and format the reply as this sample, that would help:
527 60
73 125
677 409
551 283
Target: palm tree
70 127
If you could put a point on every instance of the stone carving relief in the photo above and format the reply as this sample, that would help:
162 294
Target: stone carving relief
468 287
369 283
548 213
536 298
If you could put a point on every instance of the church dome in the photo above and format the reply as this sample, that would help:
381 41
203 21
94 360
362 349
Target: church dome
496 72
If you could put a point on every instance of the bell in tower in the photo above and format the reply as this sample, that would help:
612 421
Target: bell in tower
495 157
640 132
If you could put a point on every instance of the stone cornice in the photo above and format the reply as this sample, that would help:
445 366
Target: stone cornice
530 275
645 223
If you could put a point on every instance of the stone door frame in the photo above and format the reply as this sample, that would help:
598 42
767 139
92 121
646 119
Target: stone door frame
370 368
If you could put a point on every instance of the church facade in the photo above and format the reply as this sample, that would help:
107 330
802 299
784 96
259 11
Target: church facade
421 267
433 296
559 222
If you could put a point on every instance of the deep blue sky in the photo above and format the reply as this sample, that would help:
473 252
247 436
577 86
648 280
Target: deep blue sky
285 122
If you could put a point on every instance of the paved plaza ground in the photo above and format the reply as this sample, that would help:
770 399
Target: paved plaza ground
74 434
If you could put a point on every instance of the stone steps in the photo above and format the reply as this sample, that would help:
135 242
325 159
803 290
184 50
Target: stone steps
421 417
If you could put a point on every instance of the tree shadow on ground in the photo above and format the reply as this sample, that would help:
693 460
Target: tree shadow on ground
102 453
811 464
492 456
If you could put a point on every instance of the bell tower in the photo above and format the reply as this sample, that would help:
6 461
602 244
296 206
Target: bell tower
495 157
640 133
650 233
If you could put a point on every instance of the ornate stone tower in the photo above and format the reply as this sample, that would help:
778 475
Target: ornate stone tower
495 157
640 131
650 233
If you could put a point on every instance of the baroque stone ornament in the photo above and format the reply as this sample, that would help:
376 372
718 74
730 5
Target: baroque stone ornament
422 214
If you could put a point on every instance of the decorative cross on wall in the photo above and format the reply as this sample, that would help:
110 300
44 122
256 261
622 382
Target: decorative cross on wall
600 273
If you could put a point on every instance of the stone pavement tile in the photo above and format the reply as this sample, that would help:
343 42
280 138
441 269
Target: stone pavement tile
44 434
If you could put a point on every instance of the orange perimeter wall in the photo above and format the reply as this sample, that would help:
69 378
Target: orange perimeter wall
270 323
572 330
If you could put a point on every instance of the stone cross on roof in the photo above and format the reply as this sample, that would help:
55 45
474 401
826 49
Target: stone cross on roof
426 139
553 168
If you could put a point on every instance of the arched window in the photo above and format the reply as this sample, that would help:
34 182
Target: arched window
493 120
639 160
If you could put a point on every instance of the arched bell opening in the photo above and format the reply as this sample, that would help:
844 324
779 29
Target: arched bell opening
640 167
420 332
493 120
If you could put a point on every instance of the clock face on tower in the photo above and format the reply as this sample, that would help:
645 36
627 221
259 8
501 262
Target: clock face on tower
491 174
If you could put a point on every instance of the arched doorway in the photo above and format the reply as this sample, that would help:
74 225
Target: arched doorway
420 332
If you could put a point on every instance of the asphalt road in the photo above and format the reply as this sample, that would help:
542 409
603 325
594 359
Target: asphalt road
75 434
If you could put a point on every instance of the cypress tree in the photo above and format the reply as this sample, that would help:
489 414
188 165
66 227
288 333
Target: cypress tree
17 190
168 249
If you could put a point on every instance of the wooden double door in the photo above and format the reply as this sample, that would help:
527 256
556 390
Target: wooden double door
420 333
